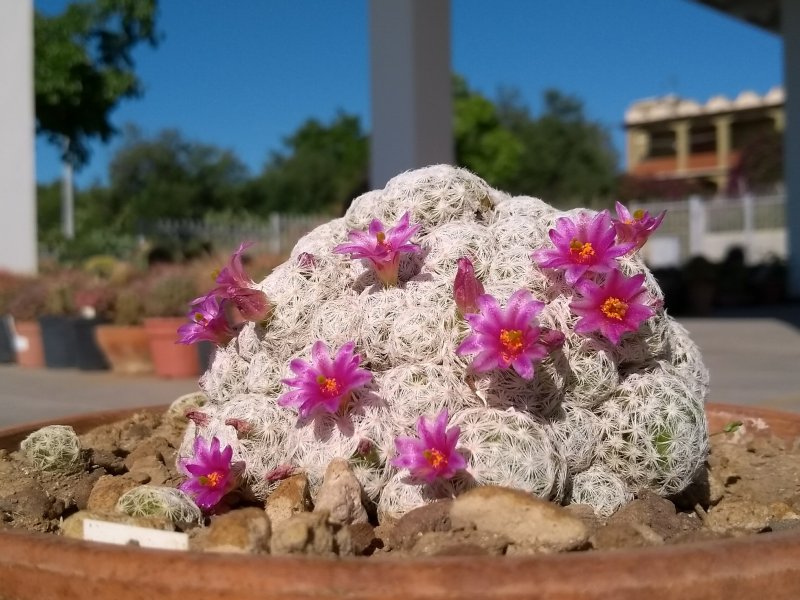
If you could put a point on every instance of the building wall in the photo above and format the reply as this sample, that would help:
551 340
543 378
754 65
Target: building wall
17 173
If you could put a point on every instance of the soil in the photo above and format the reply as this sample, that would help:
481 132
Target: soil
751 485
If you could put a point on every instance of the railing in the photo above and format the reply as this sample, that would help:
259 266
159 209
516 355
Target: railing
276 235
710 228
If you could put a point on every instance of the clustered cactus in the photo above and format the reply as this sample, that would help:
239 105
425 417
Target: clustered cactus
53 448
160 501
608 411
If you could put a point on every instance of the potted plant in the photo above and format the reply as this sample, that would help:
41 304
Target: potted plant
94 302
57 322
9 284
166 303
124 340
25 307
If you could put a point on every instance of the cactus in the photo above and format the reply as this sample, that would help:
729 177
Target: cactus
53 448
157 501
598 421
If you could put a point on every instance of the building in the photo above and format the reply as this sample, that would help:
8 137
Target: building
674 138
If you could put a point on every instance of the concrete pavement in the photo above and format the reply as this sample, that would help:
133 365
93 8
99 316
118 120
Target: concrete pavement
753 356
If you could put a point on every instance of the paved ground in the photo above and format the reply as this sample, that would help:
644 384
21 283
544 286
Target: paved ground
753 356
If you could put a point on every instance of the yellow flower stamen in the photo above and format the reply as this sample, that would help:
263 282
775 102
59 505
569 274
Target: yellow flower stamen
435 458
511 341
582 251
614 308
198 317
328 385
215 274
212 480
638 214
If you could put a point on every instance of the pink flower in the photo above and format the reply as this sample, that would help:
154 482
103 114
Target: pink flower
617 306
636 227
208 322
210 473
234 283
505 338
583 247
323 383
382 248
434 454
466 287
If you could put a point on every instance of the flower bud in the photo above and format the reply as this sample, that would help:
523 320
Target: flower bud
467 287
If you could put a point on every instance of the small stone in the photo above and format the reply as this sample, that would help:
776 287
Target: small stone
311 534
625 534
340 494
107 460
364 540
522 518
153 468
155 447
657 513
107 491
83 488
139 477
412 525
459 543
738 514
585 513
242 531
289 498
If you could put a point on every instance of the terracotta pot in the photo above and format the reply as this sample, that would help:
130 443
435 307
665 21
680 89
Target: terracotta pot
30 350
47 567
170 358
126 347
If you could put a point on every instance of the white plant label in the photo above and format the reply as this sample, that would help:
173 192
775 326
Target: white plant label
117 533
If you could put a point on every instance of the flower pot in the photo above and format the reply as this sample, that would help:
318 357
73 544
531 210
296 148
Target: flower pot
88 355
7 352
58 340
170 359
43 567
28 343
126 347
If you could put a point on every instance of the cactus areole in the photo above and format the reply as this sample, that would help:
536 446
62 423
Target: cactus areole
568 381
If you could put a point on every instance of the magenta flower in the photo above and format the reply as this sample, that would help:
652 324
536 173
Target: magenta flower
617 306
467 287
636 227
210 473
233 283
585 246
433 455
208 322
504 338
323 383
382 248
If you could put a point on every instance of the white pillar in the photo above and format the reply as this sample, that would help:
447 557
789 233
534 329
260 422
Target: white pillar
410 86
790 25
17 176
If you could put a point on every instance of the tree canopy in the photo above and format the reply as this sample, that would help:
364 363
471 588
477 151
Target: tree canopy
83 68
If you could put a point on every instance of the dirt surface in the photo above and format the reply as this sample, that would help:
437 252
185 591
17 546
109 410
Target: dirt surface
751 486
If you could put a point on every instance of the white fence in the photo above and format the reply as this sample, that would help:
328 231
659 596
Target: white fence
710 228
277 235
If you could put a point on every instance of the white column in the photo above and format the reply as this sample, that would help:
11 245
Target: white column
410 86
17 176
790 25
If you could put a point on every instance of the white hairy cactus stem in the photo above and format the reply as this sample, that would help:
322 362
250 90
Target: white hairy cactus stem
596 423
53 448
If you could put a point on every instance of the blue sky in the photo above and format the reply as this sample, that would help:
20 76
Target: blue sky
243 75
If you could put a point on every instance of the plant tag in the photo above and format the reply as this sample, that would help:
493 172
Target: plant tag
117 533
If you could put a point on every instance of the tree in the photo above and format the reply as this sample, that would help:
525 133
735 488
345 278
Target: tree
483 144
566 159
322 168
167 176
84 67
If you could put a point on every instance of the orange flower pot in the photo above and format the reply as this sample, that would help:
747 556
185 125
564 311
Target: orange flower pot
50 567
170 359
127 348
30 350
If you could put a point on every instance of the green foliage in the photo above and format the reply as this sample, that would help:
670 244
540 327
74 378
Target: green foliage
170 293
321 170
84 67
732 427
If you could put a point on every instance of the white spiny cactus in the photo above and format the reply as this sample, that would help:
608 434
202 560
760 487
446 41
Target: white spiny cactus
159 501
53 448
598 421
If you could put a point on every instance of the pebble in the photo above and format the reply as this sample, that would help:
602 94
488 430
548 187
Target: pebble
340 494
311 534
106 492
289 498
412 525
243 531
